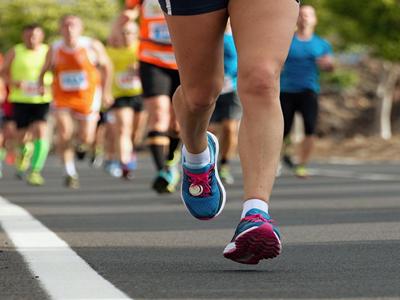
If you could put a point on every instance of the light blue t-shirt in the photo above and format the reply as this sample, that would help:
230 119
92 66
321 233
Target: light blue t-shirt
300 71
230 64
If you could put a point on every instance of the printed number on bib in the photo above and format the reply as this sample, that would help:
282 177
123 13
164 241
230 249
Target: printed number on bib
128 81
73 81
30 88
159 32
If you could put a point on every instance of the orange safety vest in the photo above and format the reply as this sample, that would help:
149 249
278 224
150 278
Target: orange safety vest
155 42
76 83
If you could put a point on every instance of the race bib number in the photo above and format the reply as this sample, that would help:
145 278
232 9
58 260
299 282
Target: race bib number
159 32
228 85
30 88
73 81
128 81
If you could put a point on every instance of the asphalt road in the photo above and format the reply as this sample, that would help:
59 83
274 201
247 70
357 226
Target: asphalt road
341 237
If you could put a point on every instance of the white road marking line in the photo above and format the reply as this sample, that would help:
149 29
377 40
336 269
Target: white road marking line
62 273
355 175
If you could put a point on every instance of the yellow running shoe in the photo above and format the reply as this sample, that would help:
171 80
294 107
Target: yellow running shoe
35 179
24 158
301 171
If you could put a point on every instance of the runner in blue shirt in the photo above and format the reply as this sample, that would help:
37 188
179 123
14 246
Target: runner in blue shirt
308 55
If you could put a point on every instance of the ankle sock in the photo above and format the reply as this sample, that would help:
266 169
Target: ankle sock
196 161
254 204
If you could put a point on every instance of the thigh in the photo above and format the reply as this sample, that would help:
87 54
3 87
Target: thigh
64 123
198 46
308 107
87 129
263 30
124 117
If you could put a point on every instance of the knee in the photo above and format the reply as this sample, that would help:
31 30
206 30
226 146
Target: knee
259 85
64 135
201 97
159 117
124 130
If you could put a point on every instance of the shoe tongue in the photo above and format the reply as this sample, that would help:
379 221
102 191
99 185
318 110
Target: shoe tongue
198 170
255 211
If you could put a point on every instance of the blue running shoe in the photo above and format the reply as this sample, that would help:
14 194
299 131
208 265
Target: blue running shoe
256 237
202 191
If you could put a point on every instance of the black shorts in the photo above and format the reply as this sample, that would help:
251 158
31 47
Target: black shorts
306 103
135 102
102 118
227 108
193 7
24 114
157 81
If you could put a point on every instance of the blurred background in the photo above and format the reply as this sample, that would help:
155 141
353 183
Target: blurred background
360 100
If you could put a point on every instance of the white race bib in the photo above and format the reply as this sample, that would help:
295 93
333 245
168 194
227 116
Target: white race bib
30 88
73 81
128 81
164 56
159 32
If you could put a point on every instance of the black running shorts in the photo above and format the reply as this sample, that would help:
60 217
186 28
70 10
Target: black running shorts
227 108
135 102
24 114
157 81
306 103
193 7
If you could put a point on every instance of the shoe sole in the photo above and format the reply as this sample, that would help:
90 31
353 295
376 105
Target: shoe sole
253 245
35 183
219 182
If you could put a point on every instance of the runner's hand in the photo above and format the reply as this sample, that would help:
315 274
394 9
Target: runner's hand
325 63
41 88
107 100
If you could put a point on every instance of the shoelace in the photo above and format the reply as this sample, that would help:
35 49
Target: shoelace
200 183
257 218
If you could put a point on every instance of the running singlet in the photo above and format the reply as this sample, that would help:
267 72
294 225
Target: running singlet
25 69
126 81
155 42
300 72
76 78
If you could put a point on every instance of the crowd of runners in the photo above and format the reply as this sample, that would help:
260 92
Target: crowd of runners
169 77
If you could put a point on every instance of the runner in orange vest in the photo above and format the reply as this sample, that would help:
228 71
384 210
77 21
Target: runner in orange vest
160 78
82 83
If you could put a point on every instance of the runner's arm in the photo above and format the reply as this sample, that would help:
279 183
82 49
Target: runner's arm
6 69
128 15
47 66
106 70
